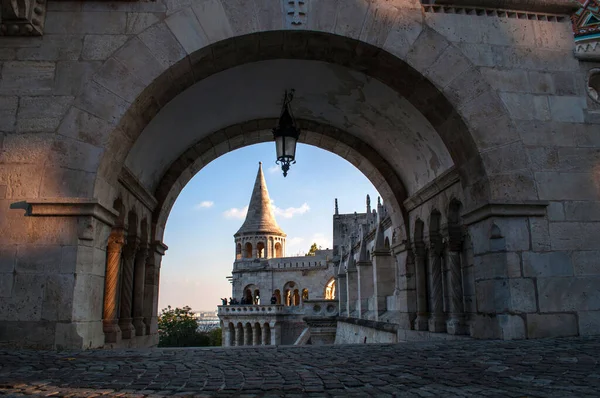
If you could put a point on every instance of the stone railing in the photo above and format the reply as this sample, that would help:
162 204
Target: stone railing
305 264
324 308
251 310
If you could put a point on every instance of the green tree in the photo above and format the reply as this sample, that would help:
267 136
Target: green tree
312 250
177 327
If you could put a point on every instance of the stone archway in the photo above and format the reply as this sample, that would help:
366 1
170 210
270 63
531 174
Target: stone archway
387 43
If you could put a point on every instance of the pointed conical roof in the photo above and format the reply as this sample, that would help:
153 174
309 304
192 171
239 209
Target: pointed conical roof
260 217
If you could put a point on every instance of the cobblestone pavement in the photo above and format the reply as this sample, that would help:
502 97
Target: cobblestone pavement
534 368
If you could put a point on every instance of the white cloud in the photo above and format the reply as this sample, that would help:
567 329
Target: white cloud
294 241
204 205
274 169
290 211
236 213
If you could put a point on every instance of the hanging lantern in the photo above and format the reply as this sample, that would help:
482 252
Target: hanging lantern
286 135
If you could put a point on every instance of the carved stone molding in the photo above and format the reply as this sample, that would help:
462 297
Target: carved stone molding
588 51
71 207
525 209
22 17
441 183
544 6
133 185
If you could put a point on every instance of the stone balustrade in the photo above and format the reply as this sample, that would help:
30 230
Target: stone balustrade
252 310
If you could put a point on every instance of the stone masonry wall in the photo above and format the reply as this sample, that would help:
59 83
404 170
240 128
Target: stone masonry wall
513 82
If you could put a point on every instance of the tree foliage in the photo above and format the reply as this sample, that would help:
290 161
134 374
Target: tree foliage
313 249
177 327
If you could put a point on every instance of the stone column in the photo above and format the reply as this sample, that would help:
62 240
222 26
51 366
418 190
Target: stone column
156 252
264 336
125 318
351 290
226 336
364 286
437 321
384 280
342 297
139 277
116 240
422 321
275 333
255 336
456 323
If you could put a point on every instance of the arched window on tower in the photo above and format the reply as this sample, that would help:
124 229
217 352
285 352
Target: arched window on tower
260 250
238 251
278 250
296 297
330 290
387 243
304 294
277 294
248 250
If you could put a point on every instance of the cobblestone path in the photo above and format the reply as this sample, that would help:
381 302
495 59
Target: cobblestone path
534 368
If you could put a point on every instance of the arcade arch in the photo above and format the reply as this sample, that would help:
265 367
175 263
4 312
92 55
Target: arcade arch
429 120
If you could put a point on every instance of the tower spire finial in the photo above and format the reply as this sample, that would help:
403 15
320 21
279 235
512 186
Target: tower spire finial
336 207
260 216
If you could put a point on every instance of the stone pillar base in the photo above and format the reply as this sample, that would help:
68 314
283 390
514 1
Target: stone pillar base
456 325
422 322
140 326
112 332
437 324
127 329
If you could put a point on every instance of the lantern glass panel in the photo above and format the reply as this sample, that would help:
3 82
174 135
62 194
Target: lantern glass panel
279 143
290 147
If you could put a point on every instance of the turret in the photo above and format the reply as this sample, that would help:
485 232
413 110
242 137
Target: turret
259 236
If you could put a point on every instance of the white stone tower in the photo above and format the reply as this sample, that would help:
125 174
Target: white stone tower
259 237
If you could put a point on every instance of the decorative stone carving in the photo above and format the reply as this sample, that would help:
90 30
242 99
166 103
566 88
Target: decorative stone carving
138 290
126 318
296 12
111 294
23 17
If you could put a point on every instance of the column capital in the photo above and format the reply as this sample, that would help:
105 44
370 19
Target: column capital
116 240
158 247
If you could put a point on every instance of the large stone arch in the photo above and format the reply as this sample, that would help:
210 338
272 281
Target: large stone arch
391 45
401 46
320 135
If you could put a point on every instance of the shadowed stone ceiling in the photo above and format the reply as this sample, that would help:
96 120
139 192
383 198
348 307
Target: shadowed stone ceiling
348 100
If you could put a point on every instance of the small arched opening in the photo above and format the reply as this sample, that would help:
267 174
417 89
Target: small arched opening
256 296
239 334
304 294
231 341
277 295
296 298
248 250
260 250
386 243
238 251
248 334
266 334
288 293
330 290
257 338
278 250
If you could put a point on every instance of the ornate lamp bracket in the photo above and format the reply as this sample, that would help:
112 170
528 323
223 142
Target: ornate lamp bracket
22 17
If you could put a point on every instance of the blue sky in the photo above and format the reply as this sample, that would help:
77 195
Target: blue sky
210 209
